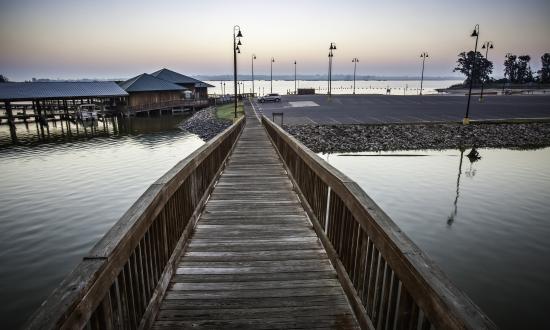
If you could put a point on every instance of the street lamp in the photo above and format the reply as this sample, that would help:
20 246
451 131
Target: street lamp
236 50
424 55
295 78
253 58
466 120
330 56
487 45
355 61
272 61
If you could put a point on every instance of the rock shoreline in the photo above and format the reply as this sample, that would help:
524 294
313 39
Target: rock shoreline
205 124
356 138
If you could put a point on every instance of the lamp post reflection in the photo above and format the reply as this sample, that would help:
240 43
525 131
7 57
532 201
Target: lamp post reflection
473 156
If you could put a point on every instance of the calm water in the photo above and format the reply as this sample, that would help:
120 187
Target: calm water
398 87
487 223
58 198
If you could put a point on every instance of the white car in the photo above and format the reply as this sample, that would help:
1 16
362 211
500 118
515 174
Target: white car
273 97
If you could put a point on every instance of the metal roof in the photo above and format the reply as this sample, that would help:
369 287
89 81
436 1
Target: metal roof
26 91
178 78
148 83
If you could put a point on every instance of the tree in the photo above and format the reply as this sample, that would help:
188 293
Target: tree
517 68
3 78
525 74
510 67
544 72
483 67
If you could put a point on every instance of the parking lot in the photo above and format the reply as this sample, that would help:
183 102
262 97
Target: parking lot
373 109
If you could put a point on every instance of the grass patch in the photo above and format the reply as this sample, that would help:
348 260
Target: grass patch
227 111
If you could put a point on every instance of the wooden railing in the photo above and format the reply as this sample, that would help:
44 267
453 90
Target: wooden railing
121 281
167 104
390 282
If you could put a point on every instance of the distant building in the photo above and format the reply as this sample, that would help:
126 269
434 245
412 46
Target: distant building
197 87
147 89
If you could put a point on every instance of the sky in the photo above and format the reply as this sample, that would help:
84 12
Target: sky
123 38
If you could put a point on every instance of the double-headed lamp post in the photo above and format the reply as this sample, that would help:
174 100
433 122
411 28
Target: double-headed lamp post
466 119
355 61
330 56
271 79
236 50
487 45
424 55
253 58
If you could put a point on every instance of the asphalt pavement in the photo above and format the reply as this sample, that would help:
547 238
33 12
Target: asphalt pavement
378 109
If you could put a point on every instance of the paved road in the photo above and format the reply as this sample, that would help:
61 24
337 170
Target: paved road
372 109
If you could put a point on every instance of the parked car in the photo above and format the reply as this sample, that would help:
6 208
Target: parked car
273 97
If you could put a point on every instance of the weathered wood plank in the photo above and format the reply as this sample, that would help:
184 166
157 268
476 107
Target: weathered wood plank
315 312
254 277
243 303
264 323
258 285
266 293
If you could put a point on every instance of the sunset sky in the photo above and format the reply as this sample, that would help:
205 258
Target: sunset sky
122 38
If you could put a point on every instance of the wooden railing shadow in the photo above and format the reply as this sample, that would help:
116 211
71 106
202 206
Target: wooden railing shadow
121 281
389 281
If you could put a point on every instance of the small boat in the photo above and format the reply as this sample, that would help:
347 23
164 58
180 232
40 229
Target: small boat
87 112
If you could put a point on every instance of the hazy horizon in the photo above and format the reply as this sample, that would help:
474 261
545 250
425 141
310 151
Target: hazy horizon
120 39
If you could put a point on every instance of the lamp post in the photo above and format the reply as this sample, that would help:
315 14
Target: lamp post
236 50
466 119
253 58
487 45
355 61
424 55
330 56
271 81
295 78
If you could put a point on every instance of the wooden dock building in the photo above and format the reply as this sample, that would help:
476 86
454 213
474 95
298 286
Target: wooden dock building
197 87
44 101
148 93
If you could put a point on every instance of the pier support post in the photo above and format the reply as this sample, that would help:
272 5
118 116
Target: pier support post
11 122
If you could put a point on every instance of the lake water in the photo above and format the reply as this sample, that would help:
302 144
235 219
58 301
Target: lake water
58 197
398 87
487 223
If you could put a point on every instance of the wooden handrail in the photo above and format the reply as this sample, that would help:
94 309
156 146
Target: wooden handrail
391 280
120 282
166 104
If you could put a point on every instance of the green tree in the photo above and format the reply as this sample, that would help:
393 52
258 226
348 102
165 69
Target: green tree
517 69
465 63
525 74
544 72
510 67
3 78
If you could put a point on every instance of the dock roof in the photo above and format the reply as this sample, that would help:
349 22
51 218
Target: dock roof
27 91
148 83
178 78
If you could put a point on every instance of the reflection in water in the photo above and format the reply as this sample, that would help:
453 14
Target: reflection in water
62 131
473 156
451 217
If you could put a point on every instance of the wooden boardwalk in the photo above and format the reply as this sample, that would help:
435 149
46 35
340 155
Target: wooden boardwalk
254 260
